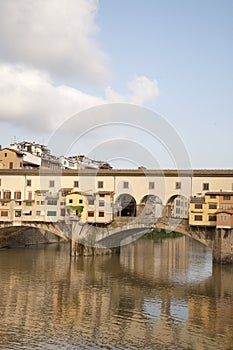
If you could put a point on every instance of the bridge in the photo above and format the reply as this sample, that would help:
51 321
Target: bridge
87 239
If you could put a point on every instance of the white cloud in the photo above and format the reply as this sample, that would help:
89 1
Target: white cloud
56 36
143 90
29 97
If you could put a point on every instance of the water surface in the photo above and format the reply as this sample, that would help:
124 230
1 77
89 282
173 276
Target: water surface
157 294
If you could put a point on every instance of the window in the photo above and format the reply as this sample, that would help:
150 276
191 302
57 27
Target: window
91 201
51 183
11 165
63 212
212 217
102 195
51 202
28 204
20 164
212 195
42 202
125 184
30 195
76 184
70 201
4 213
17 195
178 185
62 203
223 218
101 203
0 182
205 186
38 212
101 214
7 195
178 202
29 182
177 210
198 206
226 198
198 217
17 213
213 206
51 213
228 206
5 154
90 213
100 184
151 185
80 201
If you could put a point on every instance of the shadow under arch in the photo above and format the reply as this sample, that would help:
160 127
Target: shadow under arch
177 207
151 206
125 206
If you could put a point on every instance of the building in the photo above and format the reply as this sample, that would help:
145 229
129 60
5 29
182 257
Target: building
36 155
96 208
212 209
11 159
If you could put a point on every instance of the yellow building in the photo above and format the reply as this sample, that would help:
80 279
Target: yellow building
76 206
202 210
91 208
11 159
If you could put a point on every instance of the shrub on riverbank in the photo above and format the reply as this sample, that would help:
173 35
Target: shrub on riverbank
162 234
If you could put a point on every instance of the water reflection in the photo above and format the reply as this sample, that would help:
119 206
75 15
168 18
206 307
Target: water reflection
154 295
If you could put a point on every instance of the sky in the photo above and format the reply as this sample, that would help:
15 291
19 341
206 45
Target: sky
171 58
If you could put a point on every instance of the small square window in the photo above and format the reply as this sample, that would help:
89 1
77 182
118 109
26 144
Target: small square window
70 201
226 198
80 201
100 184
101 214
151 185
91 201
205 186
29 182
178 185
125 184
51 183
101 203
90 213
76 184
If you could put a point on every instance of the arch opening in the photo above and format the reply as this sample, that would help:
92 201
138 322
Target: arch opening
177 207
125 206
151 206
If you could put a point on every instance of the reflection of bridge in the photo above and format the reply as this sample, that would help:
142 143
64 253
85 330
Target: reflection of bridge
89 239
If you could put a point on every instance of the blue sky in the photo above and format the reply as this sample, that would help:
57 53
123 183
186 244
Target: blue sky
179 52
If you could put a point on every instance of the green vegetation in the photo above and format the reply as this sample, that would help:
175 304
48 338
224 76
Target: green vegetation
79 208
162 234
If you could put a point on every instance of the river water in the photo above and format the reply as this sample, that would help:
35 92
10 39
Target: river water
157 294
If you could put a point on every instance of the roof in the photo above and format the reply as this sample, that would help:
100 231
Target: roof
220 193
225 211
13 150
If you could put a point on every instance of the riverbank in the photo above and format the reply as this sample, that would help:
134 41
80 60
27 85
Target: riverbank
162 234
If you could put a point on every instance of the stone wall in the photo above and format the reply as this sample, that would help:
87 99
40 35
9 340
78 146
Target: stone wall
19 237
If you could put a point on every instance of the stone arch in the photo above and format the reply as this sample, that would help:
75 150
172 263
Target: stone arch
151 206
125 205
177 207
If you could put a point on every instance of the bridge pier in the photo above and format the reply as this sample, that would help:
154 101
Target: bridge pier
223 246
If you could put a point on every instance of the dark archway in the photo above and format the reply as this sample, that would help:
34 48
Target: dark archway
177 207
126 205
151 206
